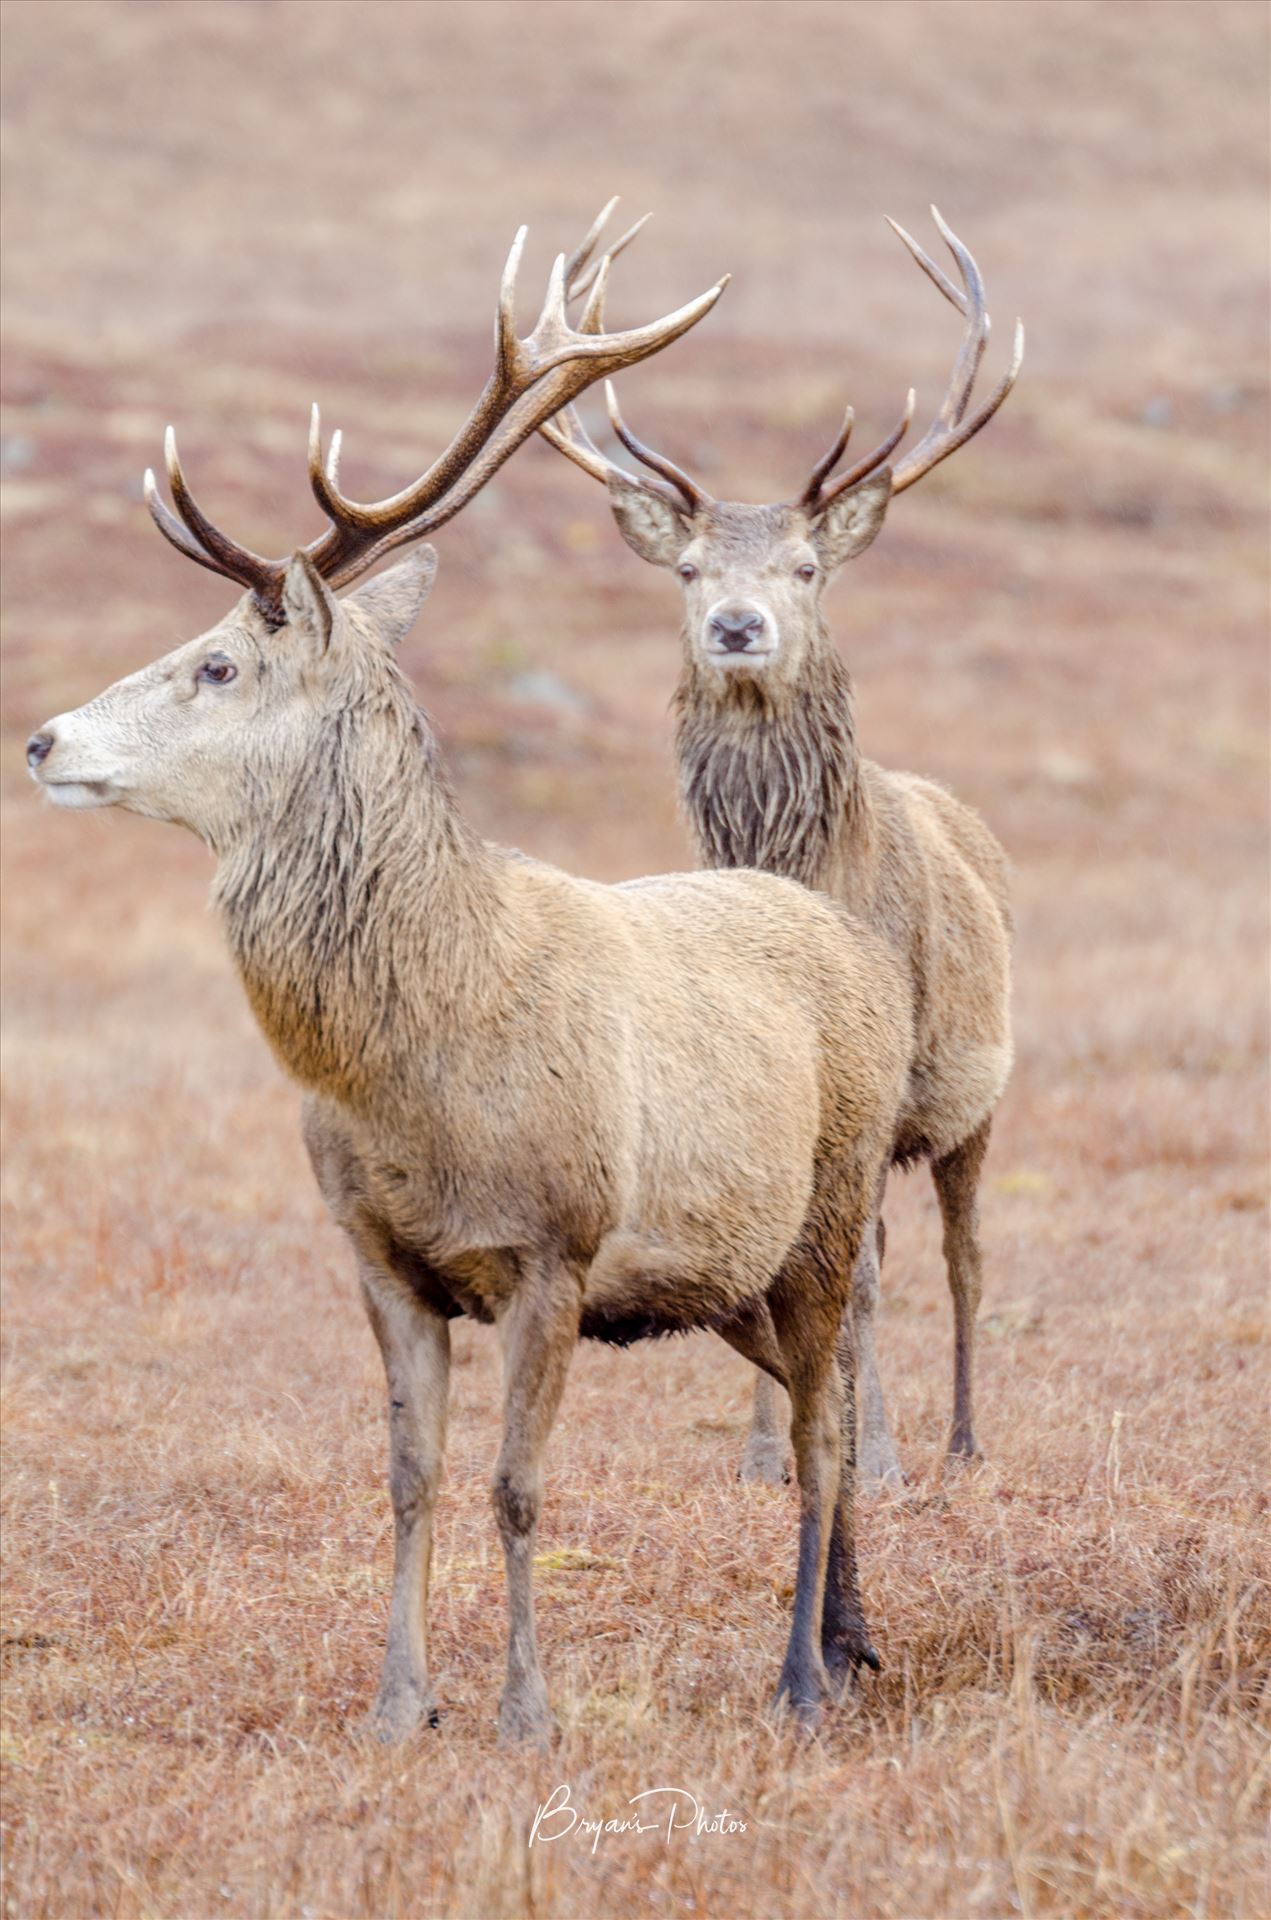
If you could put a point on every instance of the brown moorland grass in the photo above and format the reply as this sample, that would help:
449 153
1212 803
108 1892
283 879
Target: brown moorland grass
1068 625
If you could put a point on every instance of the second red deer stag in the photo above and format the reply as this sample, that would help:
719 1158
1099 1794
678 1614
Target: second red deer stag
771 776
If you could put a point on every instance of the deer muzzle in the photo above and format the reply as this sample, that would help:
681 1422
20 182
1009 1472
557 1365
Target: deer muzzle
736 627
77 785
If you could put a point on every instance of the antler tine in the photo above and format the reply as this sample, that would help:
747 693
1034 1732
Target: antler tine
975 339
578 276
592 319
877 457
234 561
828 461
173 531
619 246
570 437
586 246
505 323
324 478
567 433
970 303
951 293
553 319
919 461
951 427
594 281
972 278
691 494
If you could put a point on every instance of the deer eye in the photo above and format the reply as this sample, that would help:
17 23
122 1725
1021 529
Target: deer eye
686 570
807 571
217 671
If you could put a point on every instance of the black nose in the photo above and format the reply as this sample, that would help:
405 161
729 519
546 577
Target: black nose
38 748
735 627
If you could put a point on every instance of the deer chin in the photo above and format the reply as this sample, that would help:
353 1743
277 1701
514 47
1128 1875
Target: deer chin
747 660
81 796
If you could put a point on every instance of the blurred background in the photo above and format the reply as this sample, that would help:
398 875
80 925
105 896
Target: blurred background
217 213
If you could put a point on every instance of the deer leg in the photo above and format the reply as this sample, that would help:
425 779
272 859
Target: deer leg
845 1641
750 1333
878 1463
764 1458
803 1675
415 1344
540 1331
957 1180
805 1318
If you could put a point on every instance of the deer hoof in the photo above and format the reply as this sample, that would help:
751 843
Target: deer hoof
845 1654
891 1480
396 1715
525 1719
763 1466
879 1469
799 1705
962 1445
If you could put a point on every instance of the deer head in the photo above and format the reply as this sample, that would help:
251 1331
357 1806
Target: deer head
218 735
753 575
203 735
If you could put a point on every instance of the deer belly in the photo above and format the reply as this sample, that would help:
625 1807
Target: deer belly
693 1272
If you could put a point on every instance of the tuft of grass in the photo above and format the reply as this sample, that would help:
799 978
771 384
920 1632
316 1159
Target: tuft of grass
573 1560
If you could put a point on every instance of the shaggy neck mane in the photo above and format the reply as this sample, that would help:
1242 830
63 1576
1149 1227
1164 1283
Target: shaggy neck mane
362 909
768 780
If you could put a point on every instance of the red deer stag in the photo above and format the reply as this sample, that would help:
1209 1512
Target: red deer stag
569 1109
770 776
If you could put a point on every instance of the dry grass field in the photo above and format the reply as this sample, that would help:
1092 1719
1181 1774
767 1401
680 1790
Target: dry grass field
215 213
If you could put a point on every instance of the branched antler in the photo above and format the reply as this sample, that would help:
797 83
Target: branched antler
569 436
817 495
532 379
951 428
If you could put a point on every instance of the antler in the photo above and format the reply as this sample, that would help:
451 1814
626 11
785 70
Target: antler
951 428
569 436
817 495
578 276
532 379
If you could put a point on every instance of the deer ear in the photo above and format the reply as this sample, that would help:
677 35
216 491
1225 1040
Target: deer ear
307 602
391 601
650 525
851 522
